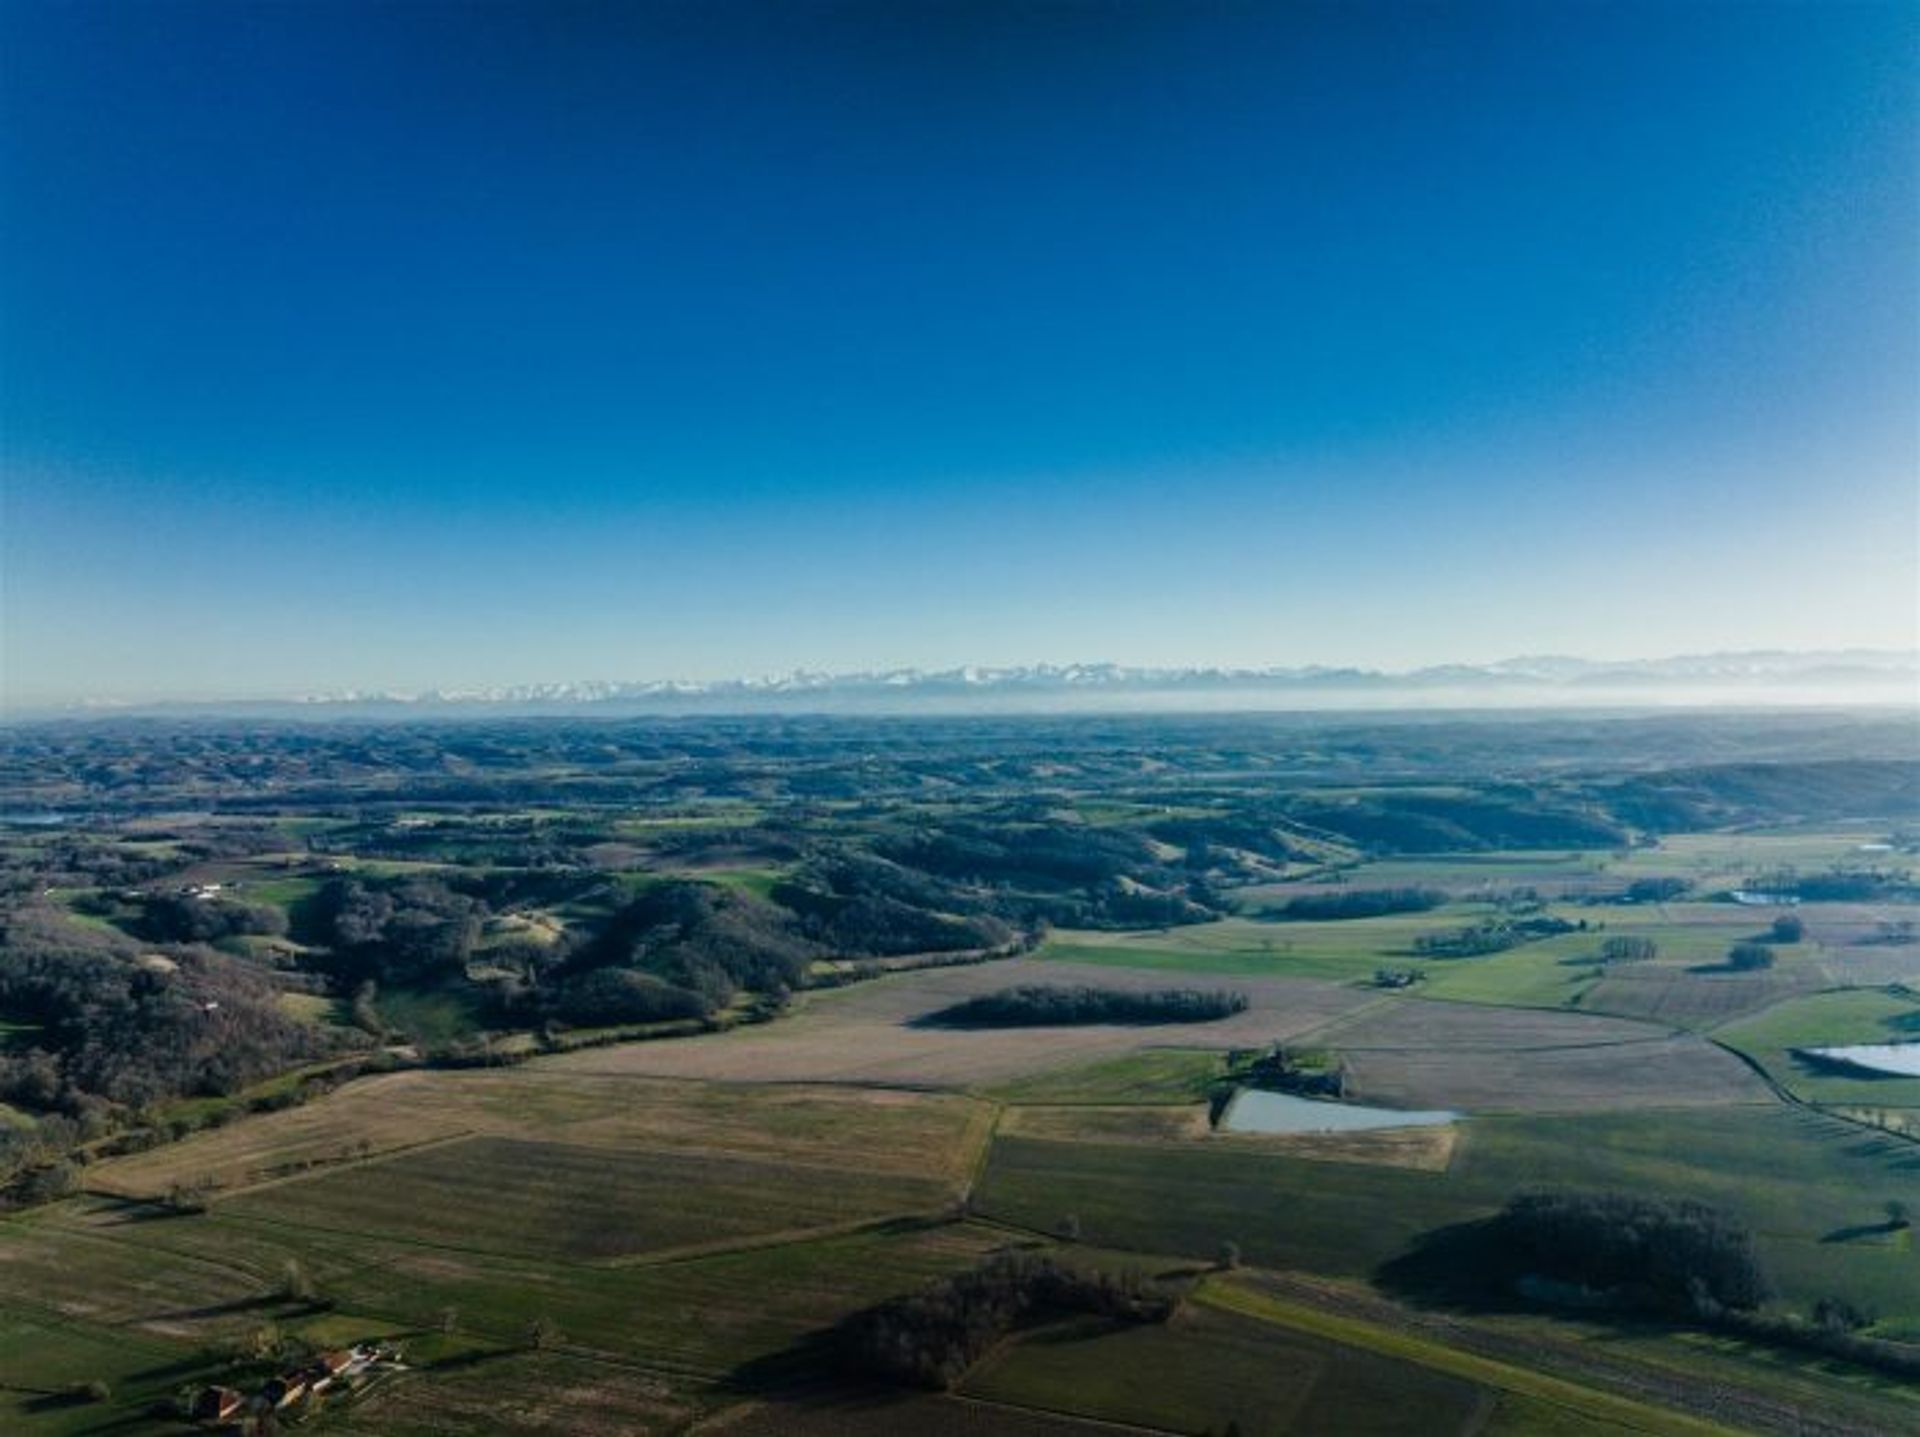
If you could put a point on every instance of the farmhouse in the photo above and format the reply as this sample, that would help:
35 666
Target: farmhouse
331 1365
217 1404
284 1390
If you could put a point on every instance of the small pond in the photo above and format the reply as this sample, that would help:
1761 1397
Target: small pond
1254 1111
1902 1059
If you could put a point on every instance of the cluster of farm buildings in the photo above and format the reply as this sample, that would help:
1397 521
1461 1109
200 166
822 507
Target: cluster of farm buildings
225 1408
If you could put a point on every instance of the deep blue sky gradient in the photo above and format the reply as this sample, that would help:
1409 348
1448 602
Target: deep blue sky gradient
358 344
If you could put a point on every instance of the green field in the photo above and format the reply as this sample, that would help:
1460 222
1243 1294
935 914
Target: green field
1213 1367
43 1353
1796 1178
1342 951
1711 860
1525 1391
430 1016
280 892
1828 1019
576 1203
702 1317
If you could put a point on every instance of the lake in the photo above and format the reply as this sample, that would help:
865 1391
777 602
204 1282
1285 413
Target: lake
1254 1111
1902 1059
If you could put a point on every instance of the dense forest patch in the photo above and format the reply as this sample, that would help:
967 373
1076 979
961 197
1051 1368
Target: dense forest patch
932 1337
1045 1005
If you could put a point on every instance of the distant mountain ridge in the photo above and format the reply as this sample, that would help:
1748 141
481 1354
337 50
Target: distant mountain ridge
1760 675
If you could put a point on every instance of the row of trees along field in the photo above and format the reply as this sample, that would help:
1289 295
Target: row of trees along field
1048 1005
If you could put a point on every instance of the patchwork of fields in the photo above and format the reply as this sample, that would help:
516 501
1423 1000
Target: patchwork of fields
874 1032
894 1133
681 1219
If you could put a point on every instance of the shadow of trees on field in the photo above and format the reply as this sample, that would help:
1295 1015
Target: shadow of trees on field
56 1401
1901 1155
1812 1065
1463 1267
807 1367
140 1210
1861 1231
182 1369
256 1303
1468 1269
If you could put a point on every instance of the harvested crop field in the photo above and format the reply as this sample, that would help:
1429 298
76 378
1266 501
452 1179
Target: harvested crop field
1648 1073
866 1034
537 1199
1487 1059
1476 1027
375 1115
1874 963
521 1395
1091 1123
1663 993
1428 1149
911 1134
105 1272
1177 1076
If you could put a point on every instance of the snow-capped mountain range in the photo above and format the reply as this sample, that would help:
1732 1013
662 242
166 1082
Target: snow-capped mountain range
1757 676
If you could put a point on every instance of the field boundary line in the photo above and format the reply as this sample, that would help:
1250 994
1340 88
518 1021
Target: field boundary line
397 1240
1666 1028
786 1237
1794 1100
977 1166
1431 1353
316 1171
1326 1025
1529 1048
199 1259
993 1404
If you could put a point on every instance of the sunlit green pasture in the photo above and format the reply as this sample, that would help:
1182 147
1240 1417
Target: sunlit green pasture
1854 1015
1797 1178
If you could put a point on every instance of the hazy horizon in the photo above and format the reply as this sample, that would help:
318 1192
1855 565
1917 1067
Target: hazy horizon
467 346
1751 680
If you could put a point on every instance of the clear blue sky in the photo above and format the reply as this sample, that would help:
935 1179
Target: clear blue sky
409 345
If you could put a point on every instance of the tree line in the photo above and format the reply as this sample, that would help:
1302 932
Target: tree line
1361 903
1036 1005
